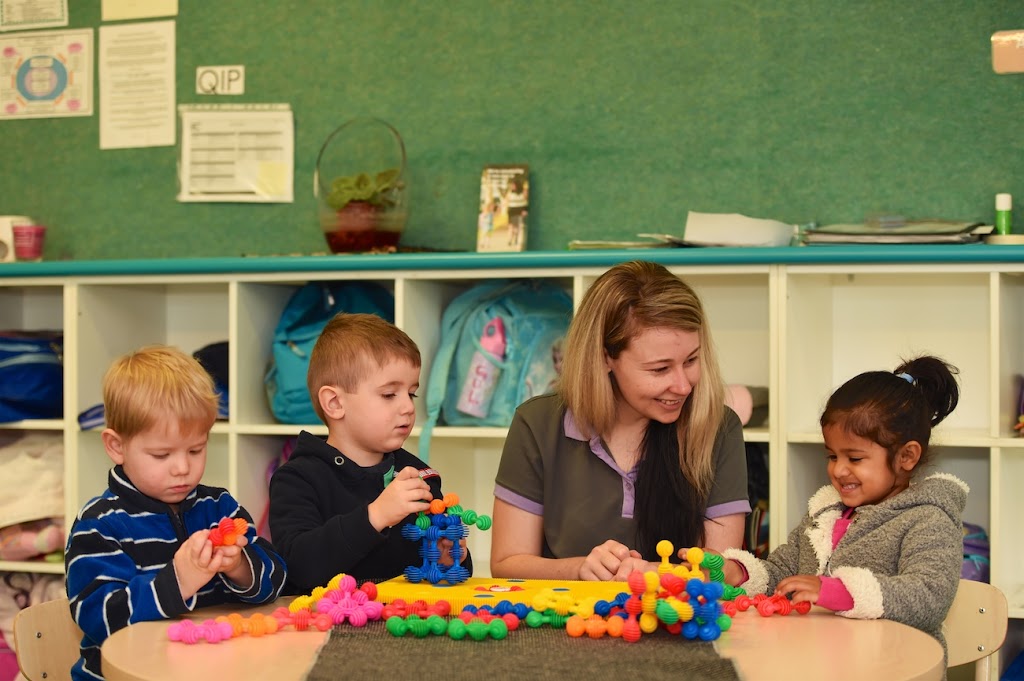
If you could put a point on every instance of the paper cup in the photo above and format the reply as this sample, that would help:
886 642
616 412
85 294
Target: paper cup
28 241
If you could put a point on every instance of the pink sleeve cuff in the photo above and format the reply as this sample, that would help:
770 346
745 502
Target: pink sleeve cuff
743 569
833 595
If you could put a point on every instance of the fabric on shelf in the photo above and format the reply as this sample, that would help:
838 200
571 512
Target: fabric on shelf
32 470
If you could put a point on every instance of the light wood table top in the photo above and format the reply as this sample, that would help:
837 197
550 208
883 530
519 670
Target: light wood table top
819 645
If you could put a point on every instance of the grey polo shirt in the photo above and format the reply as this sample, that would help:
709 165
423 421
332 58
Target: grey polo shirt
548 468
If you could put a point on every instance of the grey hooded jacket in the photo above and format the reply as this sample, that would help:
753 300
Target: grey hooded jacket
899 559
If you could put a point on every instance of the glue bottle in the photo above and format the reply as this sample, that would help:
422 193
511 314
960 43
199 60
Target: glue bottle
482 378
1004 212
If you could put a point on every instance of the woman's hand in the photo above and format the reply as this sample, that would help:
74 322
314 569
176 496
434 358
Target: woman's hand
604 562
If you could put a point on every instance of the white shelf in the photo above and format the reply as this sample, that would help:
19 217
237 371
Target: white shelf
797 329
35 424
36 566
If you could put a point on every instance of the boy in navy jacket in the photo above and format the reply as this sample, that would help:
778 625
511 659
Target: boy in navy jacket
142 551
339 505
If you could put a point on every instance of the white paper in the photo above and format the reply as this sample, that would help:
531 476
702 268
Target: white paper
137 85
46 74
733 229
20 15
242 153
119 10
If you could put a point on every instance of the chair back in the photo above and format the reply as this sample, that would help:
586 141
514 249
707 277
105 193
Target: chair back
975 626
47 640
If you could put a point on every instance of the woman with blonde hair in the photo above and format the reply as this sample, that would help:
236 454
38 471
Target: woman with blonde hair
635 446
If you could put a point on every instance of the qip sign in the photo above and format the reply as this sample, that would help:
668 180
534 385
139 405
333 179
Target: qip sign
220 80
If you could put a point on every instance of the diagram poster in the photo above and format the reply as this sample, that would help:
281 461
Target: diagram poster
46 74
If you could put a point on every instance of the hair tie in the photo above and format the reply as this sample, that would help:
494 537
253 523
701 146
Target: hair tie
906 377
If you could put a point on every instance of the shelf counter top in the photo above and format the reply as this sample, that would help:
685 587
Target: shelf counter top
795 255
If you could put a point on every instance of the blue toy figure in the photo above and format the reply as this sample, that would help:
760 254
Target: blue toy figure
446 520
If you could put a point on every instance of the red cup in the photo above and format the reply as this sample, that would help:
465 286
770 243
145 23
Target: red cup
28 241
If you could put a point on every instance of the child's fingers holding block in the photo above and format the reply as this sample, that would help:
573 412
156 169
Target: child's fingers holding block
229 531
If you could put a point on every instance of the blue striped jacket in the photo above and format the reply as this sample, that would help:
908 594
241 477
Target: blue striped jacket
120 568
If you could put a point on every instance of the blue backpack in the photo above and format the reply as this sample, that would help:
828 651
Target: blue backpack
303 318
501 343
31 375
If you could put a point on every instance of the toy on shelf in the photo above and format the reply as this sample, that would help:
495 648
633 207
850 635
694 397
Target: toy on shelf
446 519
228 531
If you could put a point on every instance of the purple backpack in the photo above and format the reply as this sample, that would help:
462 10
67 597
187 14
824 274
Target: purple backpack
976 561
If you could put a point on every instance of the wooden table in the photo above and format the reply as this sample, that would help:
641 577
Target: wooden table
819 645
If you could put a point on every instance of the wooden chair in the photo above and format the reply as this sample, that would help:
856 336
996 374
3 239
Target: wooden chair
46 640
976 626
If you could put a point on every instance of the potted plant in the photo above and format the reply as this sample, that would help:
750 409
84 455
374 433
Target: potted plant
358 199
362 208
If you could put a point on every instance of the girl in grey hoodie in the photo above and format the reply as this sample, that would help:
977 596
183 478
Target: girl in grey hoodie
878 542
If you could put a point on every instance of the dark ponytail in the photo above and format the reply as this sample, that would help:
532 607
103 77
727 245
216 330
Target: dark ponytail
893 408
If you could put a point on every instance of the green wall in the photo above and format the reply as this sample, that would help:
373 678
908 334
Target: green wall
629 114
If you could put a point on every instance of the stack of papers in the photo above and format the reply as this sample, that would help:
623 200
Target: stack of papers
911 232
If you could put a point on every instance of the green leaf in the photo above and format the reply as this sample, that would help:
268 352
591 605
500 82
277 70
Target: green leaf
377 189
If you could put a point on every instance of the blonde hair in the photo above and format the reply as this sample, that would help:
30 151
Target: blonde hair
345 348
626 300
157 382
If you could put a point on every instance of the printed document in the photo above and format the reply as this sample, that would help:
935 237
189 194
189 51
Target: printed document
137 85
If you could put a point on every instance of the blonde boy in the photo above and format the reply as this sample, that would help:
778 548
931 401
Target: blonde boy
339 505
141 551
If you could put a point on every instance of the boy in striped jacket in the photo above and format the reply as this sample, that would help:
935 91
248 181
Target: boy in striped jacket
142 551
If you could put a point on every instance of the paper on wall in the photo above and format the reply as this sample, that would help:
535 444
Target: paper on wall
137 85
237 153
46 74
119 10
22 15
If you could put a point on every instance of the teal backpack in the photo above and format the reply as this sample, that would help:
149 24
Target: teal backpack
501 343
303 318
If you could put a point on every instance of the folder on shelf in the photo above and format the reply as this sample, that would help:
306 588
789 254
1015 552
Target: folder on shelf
910 232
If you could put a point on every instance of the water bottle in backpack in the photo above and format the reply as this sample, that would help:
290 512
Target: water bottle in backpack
482 378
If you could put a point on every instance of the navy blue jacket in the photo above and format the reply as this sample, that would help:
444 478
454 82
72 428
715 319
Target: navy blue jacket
319 520
120 562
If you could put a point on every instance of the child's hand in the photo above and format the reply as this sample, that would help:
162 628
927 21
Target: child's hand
732 572
604 561
803 587
406 494
195 563
445 546
681 554
232 565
